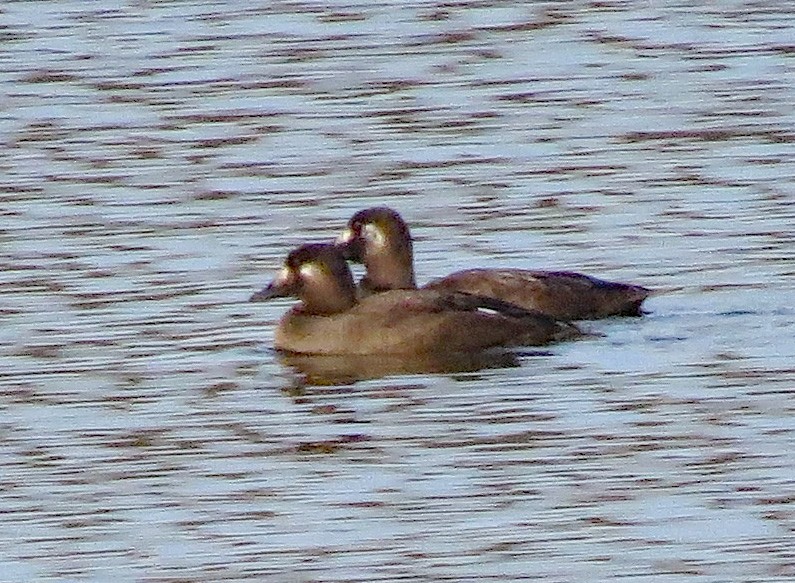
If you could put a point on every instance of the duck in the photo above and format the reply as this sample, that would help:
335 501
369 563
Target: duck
331 320
379 238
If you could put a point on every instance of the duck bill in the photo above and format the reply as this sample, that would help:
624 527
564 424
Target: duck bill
282 286
350 245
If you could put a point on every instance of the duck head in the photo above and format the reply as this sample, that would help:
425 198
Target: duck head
318 275
379 238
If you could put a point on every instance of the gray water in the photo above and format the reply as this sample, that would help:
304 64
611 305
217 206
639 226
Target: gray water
159 159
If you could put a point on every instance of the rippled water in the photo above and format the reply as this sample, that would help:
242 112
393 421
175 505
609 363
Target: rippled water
160 158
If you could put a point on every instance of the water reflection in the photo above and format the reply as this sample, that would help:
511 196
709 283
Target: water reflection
343 370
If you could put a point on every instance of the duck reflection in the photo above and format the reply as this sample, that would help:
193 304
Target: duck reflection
324 370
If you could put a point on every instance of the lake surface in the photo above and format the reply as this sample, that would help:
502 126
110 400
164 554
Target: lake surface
159 159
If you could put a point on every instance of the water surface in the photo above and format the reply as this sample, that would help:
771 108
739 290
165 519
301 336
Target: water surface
160 159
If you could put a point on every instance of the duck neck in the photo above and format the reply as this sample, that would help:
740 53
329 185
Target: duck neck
326 306
332 293
391 268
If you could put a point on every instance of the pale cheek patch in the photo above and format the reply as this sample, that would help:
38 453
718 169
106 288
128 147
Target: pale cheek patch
374 235
311 271
346 237
283 276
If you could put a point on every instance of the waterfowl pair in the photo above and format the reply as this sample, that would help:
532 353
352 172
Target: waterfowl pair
331 320
380 239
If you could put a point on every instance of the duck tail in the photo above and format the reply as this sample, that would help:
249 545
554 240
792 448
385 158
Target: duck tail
568 331
658 291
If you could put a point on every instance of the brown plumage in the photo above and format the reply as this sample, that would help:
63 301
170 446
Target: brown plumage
330 320
380 239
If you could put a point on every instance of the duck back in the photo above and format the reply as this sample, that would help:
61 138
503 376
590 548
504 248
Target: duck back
560 294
